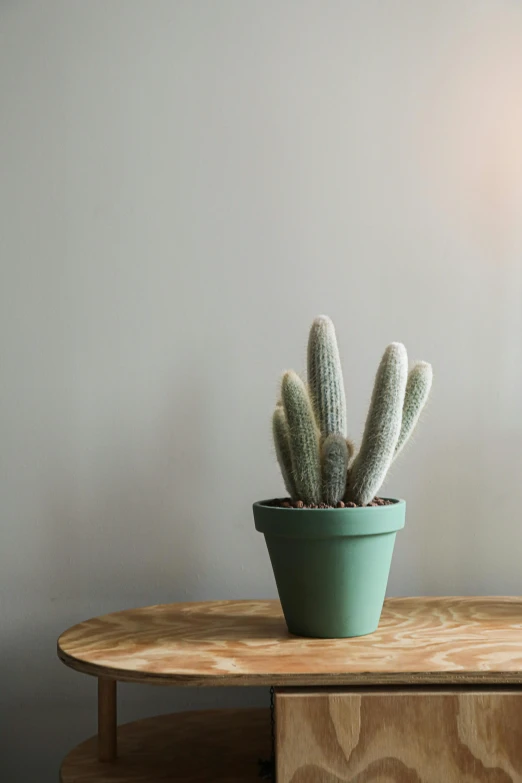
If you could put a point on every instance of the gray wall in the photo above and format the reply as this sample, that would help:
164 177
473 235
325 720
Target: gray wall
184 185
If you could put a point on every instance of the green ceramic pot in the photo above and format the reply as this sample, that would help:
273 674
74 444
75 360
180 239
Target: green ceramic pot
331 565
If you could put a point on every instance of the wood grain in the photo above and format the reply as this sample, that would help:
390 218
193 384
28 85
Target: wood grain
220 746
419 641
409 737
107 719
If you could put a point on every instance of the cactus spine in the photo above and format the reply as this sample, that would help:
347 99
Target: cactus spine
335 457
309 425
281 435
303 438
325 378
383 426
417 392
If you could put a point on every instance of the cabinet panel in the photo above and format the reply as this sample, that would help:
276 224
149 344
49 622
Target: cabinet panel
390 736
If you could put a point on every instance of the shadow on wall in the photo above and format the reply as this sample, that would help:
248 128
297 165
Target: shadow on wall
464 526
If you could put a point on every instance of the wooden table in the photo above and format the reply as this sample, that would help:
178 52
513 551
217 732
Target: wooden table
433 696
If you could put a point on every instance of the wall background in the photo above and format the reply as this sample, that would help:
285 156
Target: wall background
184 186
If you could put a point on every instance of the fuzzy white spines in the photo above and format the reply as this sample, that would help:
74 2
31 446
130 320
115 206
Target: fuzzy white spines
383 427
303 438
418 389
334 462
281 435
325 378
310 428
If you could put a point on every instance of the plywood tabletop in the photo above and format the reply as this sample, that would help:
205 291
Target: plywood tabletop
419 641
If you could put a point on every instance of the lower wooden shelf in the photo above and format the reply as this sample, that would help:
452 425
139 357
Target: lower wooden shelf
223 746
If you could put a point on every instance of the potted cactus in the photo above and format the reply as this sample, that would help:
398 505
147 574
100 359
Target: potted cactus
331 541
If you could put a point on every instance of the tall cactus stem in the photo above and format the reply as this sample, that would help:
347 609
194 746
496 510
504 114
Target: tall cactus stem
325 378
281 435
303 438
418 389
383 427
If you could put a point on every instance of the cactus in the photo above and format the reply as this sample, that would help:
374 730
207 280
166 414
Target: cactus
281 435
325 378
309 425
303 438
335 456
417 392
383 426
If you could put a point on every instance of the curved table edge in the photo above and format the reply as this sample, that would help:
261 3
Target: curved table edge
267 679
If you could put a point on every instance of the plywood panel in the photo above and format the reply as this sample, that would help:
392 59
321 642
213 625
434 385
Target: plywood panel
399 737
219 746
419 640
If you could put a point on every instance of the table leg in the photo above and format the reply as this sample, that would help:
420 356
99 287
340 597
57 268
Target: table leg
106 719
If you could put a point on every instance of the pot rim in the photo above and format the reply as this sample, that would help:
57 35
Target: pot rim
336 522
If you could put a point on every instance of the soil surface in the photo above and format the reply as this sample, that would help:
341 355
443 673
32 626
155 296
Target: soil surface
289 503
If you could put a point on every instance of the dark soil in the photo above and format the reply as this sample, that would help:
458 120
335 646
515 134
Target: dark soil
289 503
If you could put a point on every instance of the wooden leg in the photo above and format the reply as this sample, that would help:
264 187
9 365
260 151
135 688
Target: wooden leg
106 719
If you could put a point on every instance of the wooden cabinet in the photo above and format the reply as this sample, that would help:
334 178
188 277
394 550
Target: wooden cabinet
399 736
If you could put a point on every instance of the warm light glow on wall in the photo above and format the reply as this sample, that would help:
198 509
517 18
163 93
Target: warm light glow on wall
472 128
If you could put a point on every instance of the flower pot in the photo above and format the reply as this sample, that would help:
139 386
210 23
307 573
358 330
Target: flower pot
331 565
